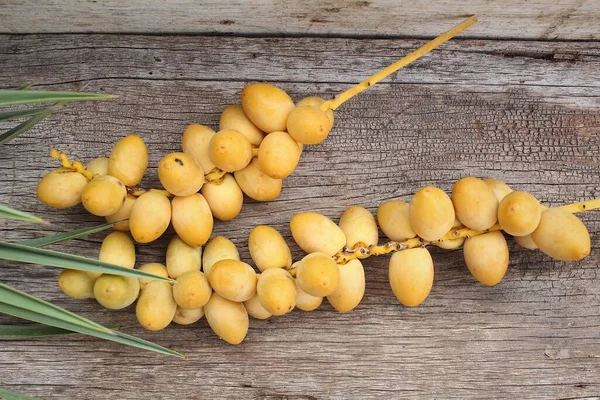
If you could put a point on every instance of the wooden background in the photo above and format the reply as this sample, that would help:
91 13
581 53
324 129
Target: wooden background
523 111
530 19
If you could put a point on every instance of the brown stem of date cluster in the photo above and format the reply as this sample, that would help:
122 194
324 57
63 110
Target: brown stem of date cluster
214 176
361 251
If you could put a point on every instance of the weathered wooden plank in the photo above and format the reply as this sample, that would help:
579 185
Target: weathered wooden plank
461 111
519 67
537 19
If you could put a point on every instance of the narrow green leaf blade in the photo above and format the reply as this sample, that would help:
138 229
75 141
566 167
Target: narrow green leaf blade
23 127
22 305
17 114
12 97
51 258
18 332
61 237
112 335
134 341
35 309
6 394
11 213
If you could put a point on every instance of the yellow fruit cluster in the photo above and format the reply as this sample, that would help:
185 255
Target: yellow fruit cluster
212 281
258 144
473 217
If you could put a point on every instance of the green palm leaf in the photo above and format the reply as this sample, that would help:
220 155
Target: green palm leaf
18 114
51 258
31 305
17 332
9 395
11 213
23 127
61 237
20 304
12 97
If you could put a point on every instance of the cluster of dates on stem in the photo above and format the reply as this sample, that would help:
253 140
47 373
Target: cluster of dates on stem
258 144
212 281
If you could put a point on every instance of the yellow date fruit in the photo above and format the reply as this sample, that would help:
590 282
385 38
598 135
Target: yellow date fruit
229 150
232 279
359 226
267 106
122 215
256 184
278 155
526 242
233 117
499 188
411 276
103 195
457 224
318 274
129 160
116 292
519 213
98 166
188 317
152 268
313 101
195 141
268 248
225 198
192 219
309 124
156 306
316 233
217 249
305 301
431 213
562 236
77 284
475 203
118 248
181 257
61 188
276 291
180 174
486 257
192 290
228 319
351 287
150 217
255 309
394 220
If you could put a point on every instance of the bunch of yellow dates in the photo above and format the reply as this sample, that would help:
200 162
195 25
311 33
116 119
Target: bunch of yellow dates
214 282
259 143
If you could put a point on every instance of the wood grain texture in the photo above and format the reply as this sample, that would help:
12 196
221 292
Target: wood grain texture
527 19
523 112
